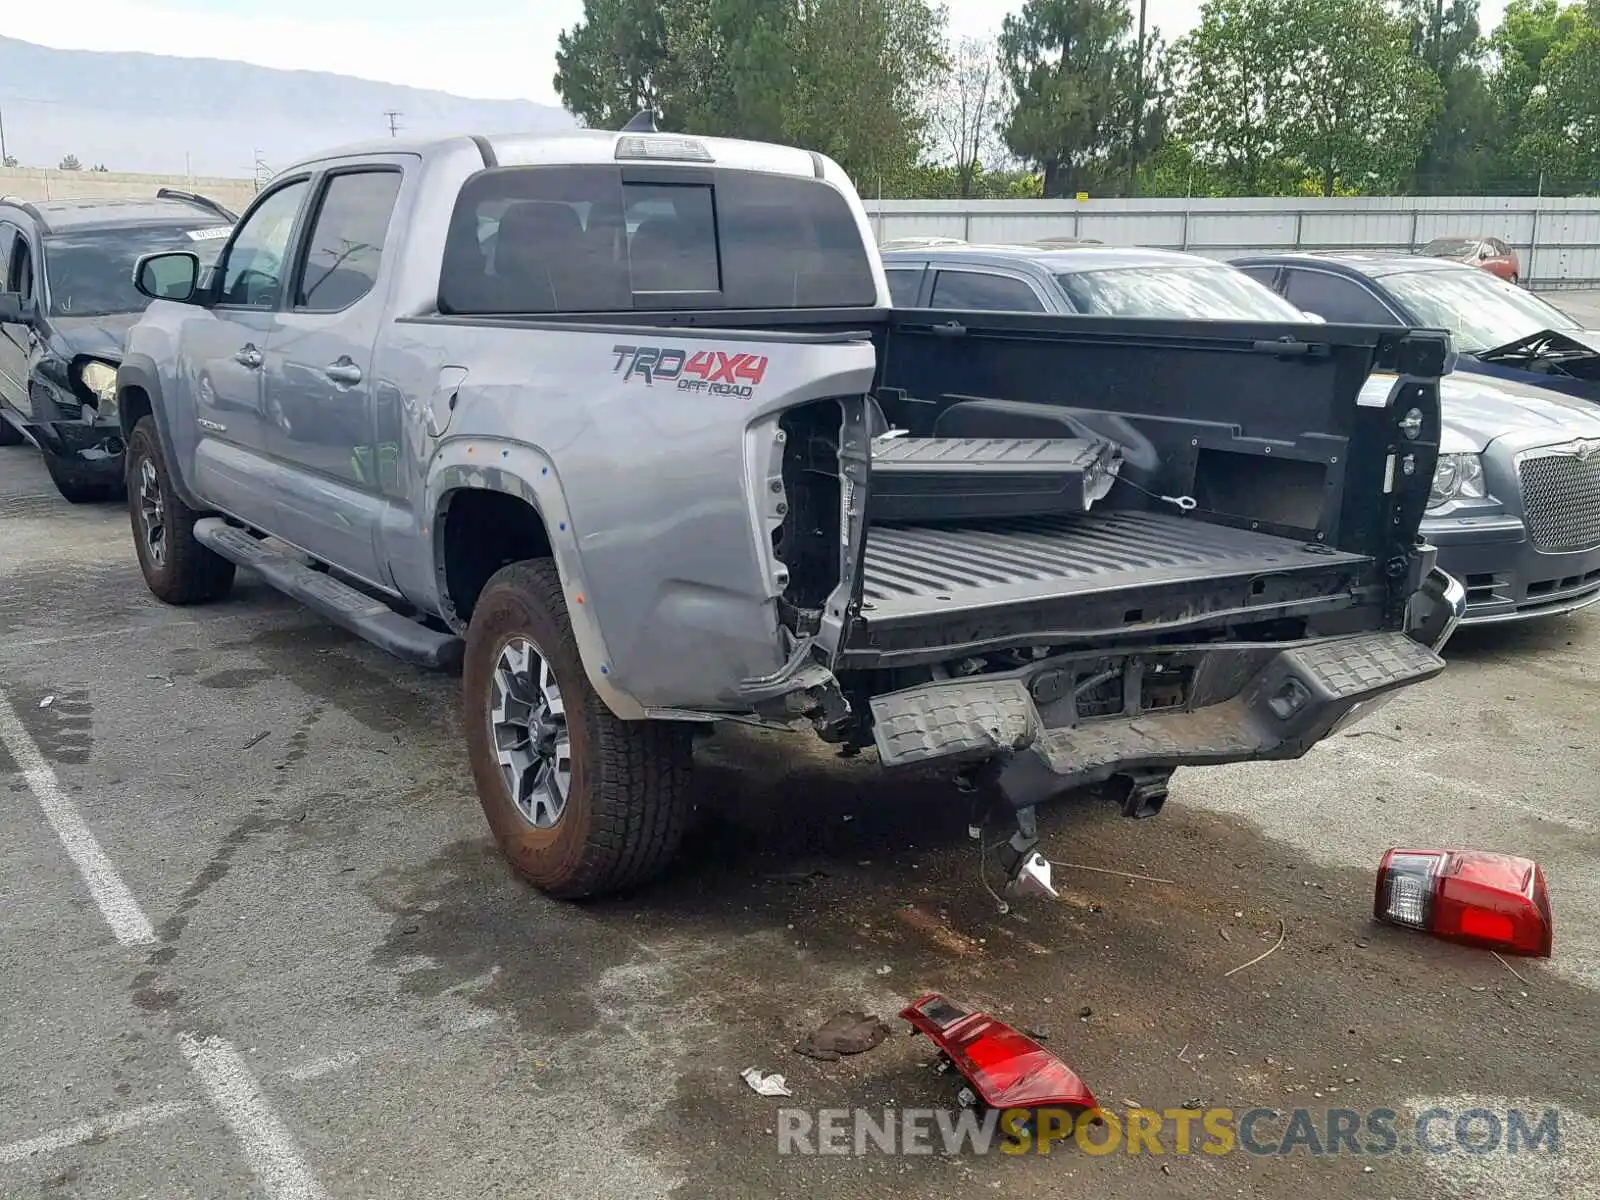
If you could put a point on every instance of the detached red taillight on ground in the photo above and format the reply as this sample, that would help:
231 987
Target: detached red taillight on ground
1006 1069
1478 897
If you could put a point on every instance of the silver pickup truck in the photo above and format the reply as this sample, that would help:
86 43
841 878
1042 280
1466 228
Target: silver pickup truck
624 425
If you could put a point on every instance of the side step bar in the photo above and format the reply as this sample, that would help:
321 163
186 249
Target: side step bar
340 603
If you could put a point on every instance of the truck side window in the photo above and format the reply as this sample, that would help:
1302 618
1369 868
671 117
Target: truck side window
346 242
1334 298
252 273
973 290
8 234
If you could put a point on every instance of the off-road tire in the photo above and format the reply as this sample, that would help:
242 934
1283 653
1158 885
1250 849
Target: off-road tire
628 800
189 573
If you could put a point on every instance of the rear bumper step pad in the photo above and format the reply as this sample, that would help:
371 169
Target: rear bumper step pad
340 603
1284 709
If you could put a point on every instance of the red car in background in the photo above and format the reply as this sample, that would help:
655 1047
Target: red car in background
1489 254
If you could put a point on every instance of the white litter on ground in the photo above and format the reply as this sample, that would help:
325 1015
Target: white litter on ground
771 1085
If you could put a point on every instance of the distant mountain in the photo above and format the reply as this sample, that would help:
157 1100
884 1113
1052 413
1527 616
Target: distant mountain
201 116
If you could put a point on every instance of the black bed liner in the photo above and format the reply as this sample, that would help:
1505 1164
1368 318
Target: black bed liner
954 587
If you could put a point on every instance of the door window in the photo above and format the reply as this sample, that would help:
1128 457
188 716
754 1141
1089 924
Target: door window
1263 275
346 243
8 234
968 290
1336 299
257 260
19 271
905 284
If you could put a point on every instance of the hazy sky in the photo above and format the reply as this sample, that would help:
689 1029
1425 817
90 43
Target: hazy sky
494 49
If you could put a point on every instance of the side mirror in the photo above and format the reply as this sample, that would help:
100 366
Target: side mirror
1314 318
14 310
173 275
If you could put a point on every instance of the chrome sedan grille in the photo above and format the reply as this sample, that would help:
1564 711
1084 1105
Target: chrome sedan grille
1561 498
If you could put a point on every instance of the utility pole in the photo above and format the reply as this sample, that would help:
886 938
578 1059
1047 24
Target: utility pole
3 155
394 116
1138 107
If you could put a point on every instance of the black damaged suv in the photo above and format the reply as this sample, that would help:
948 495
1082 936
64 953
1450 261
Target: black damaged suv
67 301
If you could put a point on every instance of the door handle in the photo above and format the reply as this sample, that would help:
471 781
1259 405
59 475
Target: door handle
343 372
249 357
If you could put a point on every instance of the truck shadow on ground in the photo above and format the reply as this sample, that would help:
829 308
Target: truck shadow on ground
781 911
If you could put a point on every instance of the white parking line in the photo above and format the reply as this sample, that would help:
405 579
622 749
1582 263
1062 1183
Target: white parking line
121 911
266 1142
97 1127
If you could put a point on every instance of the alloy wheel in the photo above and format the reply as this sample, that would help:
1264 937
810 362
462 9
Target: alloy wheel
528 728
152 513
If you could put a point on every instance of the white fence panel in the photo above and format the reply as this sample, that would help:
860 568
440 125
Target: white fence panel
1557 238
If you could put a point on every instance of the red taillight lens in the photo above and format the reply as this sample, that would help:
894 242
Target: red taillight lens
1474 896
1006 1068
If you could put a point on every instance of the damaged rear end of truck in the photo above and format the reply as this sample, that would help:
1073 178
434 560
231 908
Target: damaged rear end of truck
1054 552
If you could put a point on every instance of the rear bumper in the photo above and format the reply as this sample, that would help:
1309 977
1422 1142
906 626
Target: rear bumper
1266 702
1239 702
1506 577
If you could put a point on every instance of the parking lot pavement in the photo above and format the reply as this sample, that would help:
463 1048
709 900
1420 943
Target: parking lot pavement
345 993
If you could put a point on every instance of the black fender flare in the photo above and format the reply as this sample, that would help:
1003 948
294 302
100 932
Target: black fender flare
139 371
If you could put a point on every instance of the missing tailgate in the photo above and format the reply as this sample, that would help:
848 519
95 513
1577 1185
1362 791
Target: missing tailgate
808 540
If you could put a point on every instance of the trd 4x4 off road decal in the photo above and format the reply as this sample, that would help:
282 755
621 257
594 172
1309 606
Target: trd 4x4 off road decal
711 371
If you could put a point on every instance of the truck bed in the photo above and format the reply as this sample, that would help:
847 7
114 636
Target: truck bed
1118 571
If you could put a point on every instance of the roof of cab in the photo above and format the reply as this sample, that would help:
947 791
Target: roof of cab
587 146
58 216
1370 263
1062 260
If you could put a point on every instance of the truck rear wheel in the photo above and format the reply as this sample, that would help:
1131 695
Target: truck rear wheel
582 803
177 568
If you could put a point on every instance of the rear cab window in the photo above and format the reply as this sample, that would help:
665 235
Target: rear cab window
597 239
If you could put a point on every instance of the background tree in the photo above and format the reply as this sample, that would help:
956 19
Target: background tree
69 163
862 69
608 66
1071 66
1275 90
845 77
729 72
1365 103
969 102
1549 91
1237 94
1460 148
10 161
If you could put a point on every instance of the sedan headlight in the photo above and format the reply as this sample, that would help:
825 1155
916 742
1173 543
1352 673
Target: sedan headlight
100 381
1457 477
